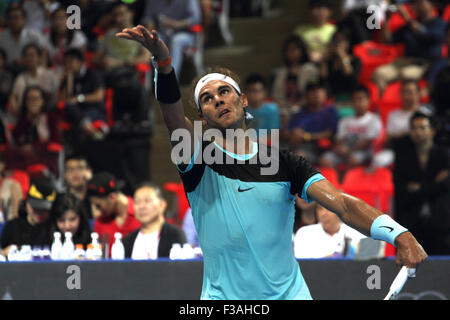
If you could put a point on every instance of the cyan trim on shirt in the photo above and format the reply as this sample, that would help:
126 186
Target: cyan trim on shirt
240 157
194 156
310 181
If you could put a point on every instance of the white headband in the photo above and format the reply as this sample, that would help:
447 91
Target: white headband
211 77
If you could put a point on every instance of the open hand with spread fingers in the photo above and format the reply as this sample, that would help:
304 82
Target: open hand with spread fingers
150 40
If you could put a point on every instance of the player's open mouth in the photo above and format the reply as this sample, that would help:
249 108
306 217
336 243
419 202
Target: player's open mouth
223 112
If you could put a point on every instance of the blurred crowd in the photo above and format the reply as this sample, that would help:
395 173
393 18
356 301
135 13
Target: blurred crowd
368 106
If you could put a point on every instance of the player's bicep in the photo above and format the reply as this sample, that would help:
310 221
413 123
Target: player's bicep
328 196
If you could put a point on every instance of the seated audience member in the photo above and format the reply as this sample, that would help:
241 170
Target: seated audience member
355 135
6 81
422 186
328 238
117 209
60 39
30 227
67 215
37 12
290 81
36 130
340 68
398 120
10 194
16 36
355 16
77 173
265 114
114 52
83 92
189 229
314 122
317 35
172 20
423 39
34 75
155 238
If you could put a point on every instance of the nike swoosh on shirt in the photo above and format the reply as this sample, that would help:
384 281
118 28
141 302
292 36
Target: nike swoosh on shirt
392 229
242 190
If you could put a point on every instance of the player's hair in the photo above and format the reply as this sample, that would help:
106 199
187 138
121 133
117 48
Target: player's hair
221 70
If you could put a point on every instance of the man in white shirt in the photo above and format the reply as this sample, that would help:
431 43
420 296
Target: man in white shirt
330 237
356 134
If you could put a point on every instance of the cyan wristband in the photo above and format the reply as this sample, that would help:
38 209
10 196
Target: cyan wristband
386 229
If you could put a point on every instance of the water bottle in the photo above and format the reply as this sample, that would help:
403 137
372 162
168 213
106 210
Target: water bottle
79 253
26 253
45 253
176 252
188 251
68 247
96 247
13 253
55 251
118 250
35 253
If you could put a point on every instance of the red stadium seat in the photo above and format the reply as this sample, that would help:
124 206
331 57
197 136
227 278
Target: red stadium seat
375 188
331 175
446 13
390 100
23 179
182 201
373 55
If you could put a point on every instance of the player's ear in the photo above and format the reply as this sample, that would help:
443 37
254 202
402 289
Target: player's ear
244 100
202 118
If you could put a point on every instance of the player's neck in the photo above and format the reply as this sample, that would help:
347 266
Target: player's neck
235 146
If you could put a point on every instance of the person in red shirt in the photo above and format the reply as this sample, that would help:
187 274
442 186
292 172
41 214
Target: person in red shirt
116 208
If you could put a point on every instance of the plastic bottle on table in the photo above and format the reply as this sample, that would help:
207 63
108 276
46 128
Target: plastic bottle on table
176 252
13 253
96 247
118 250
79 253
55 251
68 247
26 253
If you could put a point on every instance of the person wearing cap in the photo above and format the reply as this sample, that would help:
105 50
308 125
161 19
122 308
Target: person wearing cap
30 227
117 209
244 214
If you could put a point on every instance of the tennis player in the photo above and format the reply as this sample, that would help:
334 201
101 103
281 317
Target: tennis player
244 218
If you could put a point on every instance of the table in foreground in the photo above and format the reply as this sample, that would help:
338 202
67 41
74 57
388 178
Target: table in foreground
182 280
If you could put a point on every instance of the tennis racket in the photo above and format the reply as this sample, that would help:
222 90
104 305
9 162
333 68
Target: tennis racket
399 282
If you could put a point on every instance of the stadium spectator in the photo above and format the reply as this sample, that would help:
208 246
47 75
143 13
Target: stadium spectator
37 13
355 135
172 19
317 35
77 173
10 194
83 92
265 114
398 120
67 215
355 17
16 36
423 39
290 80
117 209
156 237
422 186
60 38
340 68
30 227
317 120
6 81
35 131
35 74
328 238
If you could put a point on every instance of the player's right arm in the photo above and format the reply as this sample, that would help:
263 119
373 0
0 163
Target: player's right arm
173 113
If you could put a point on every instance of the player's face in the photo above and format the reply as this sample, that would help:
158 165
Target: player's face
68 222
221 105
148 207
